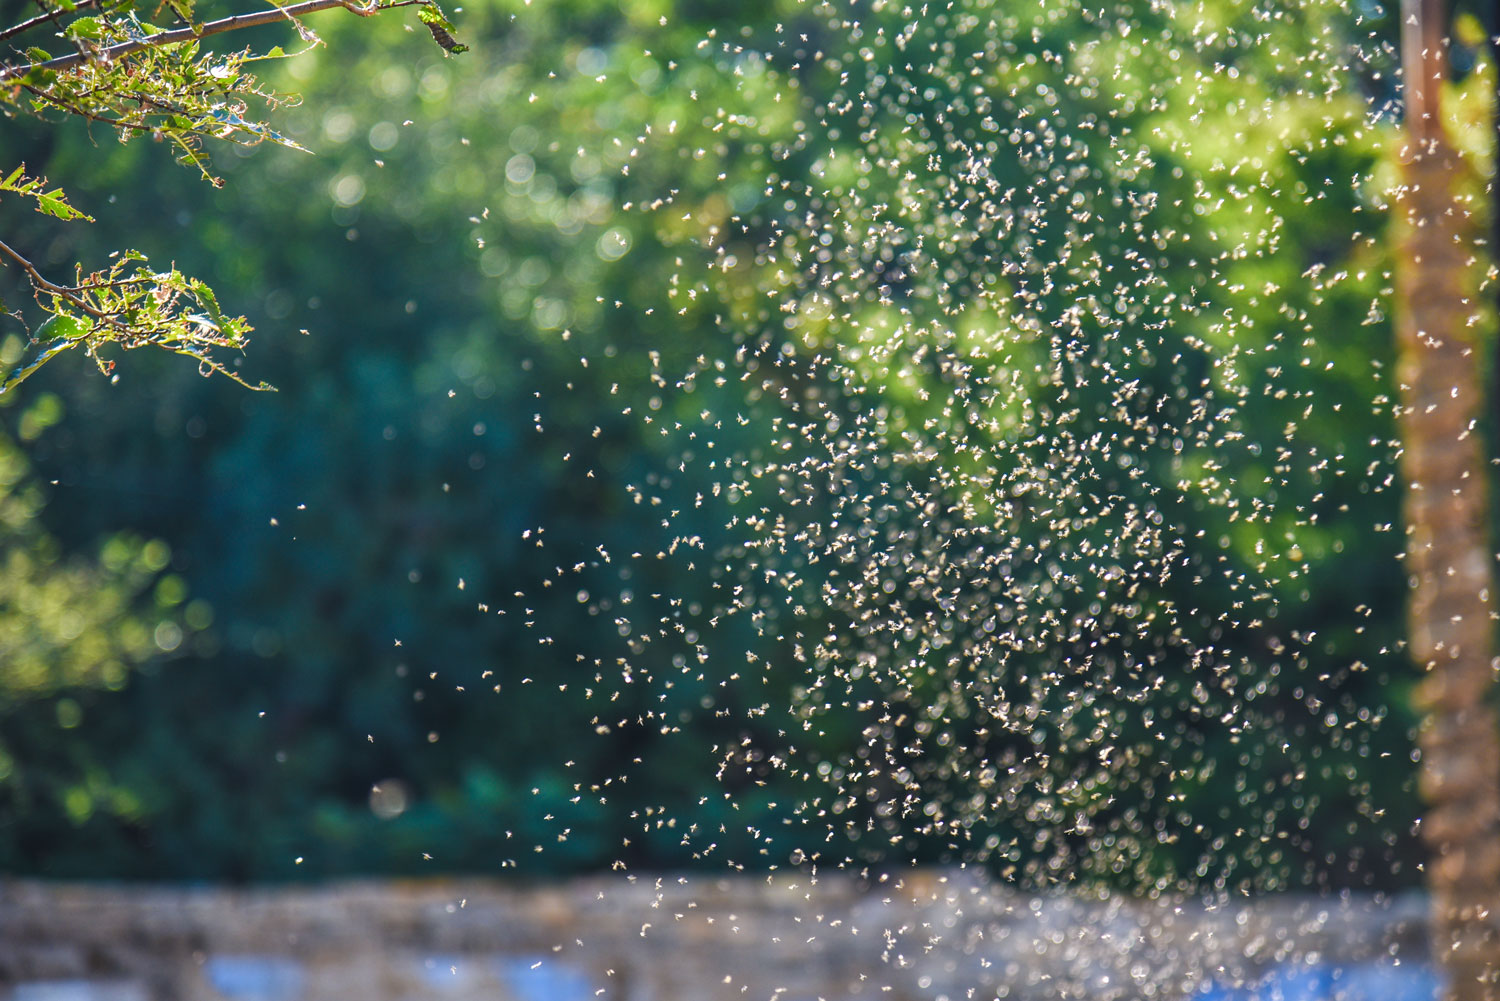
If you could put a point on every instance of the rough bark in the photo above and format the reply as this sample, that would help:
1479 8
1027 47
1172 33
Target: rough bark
1451 606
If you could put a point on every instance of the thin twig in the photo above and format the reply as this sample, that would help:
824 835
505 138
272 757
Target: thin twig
42 18
30 269
88 116
195 32
68 295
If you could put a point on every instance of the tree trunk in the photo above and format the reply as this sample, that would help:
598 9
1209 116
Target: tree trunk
1447 548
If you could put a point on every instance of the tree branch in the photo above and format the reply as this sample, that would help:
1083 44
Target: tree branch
42 18
31 272
195 32
42 285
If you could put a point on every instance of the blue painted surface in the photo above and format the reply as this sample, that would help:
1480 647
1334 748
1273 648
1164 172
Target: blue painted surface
255 978
446 973
78 990
1407 982
1383 981
552 980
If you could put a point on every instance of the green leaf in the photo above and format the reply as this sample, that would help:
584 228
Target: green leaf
208 299
87 27
64 326
20 375
183 9
55 204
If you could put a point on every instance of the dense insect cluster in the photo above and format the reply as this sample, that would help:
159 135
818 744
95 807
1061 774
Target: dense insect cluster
992 381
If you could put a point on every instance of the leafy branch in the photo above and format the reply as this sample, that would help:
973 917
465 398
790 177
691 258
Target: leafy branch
47 16
53 202
129 305
141 79
429 14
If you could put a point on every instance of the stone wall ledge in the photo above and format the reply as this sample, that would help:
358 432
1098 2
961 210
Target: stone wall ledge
926 934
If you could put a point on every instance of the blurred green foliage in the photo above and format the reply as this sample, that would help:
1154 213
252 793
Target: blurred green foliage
453 249
71 626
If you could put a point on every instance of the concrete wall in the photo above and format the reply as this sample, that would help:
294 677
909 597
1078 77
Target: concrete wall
928 935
